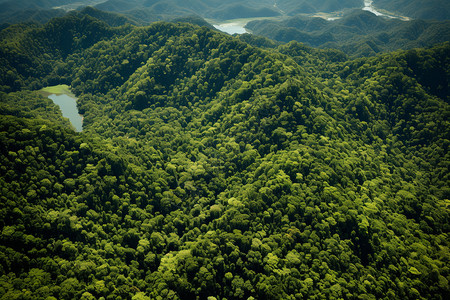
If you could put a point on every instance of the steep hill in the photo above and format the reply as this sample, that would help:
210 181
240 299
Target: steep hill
208 167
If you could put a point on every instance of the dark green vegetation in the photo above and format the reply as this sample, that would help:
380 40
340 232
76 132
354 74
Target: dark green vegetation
209 167
360 33
418 9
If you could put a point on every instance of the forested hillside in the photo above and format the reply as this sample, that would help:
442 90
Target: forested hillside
209 168
359 33
418 9
41 11
227 9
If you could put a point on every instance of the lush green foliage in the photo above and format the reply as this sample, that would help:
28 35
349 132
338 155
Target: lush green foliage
31 105
208 167
360 33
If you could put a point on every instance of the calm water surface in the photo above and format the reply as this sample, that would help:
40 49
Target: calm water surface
68 106
231 28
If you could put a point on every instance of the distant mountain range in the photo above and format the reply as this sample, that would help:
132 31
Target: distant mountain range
417 9
231 9
360 33
145 11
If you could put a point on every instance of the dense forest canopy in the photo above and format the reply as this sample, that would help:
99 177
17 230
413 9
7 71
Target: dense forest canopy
211 168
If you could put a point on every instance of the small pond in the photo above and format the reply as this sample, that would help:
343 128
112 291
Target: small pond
67 102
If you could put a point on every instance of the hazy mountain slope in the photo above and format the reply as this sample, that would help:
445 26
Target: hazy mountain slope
428 9
15 11
194 19
360 33
243 11
112 19
211 168
32 15
293 7
431 9
9 6
231 9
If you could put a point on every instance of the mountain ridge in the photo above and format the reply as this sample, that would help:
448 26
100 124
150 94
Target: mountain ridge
208 167
360 33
